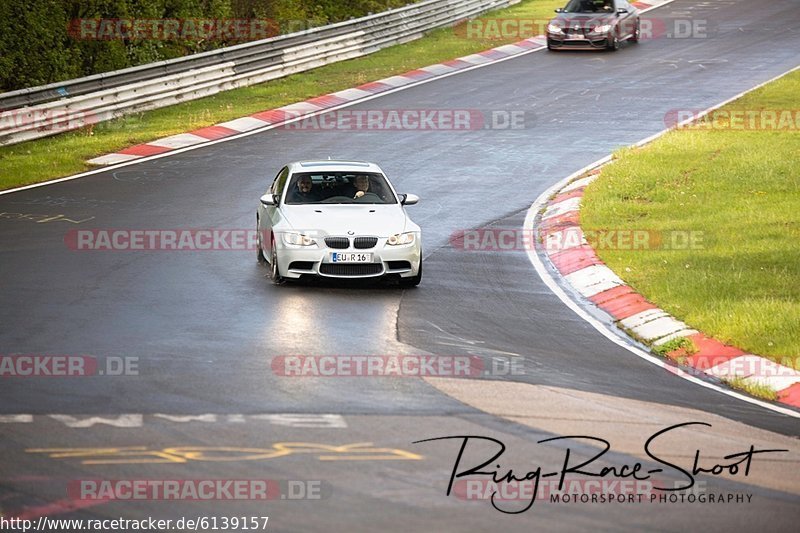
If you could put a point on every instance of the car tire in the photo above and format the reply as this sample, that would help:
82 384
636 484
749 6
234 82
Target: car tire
259 249
274 272
412 282
636 33
613 45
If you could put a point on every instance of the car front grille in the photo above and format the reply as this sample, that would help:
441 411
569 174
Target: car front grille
337 242
356 269
365 242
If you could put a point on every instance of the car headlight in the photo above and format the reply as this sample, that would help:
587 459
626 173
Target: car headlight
400 238
602 29
298 239
552 28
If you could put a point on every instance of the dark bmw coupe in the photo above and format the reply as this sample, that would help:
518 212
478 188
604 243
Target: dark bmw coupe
593 24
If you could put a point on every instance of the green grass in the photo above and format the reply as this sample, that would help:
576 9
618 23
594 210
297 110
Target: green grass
764 392
741 189
66 154
680 343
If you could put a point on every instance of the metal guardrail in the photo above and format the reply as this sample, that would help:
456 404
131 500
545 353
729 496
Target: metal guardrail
51 109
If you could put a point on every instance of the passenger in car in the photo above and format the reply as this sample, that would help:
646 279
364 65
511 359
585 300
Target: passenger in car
350 188
605 5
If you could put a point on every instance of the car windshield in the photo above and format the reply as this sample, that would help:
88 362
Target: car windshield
589 6
339 188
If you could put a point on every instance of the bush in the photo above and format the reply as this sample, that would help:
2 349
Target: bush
37 46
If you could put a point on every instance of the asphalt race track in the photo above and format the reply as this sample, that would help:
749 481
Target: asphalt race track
206 325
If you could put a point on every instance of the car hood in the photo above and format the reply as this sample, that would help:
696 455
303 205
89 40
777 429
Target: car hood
339 219
584 19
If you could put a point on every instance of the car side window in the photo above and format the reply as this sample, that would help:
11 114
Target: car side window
279 183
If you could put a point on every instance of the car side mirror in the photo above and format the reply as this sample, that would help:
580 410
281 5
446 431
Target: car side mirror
267 199
409 199
559 10
621 11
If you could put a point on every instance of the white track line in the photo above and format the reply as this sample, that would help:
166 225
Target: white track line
551 283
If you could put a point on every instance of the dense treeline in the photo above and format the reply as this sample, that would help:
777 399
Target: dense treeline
44 41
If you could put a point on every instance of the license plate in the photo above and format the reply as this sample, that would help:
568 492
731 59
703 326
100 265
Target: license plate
350 257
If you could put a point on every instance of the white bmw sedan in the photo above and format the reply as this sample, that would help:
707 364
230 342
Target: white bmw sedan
337 219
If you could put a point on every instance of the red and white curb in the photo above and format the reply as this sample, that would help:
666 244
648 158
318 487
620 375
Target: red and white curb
580 266
283 115
296 111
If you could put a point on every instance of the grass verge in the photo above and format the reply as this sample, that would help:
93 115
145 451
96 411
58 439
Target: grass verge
754 389
737 187
66 154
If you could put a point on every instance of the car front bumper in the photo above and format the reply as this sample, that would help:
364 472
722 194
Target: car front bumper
297 261
590 41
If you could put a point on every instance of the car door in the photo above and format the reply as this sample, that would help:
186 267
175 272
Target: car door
270 215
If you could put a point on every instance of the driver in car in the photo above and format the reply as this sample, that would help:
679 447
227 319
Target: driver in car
304 191
362 185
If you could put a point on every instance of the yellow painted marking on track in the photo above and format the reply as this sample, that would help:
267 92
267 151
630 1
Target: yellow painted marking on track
75 452
112 455
214 454
359 451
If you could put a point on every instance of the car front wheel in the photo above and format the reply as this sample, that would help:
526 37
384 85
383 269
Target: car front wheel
412 282
613 42
260 249
274 272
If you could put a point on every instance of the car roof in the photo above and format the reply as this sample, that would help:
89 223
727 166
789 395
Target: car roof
334 166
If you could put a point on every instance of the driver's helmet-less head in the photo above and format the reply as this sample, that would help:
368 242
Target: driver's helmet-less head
361 182
304 184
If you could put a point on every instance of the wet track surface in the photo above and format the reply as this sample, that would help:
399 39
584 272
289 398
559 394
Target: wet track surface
206 325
